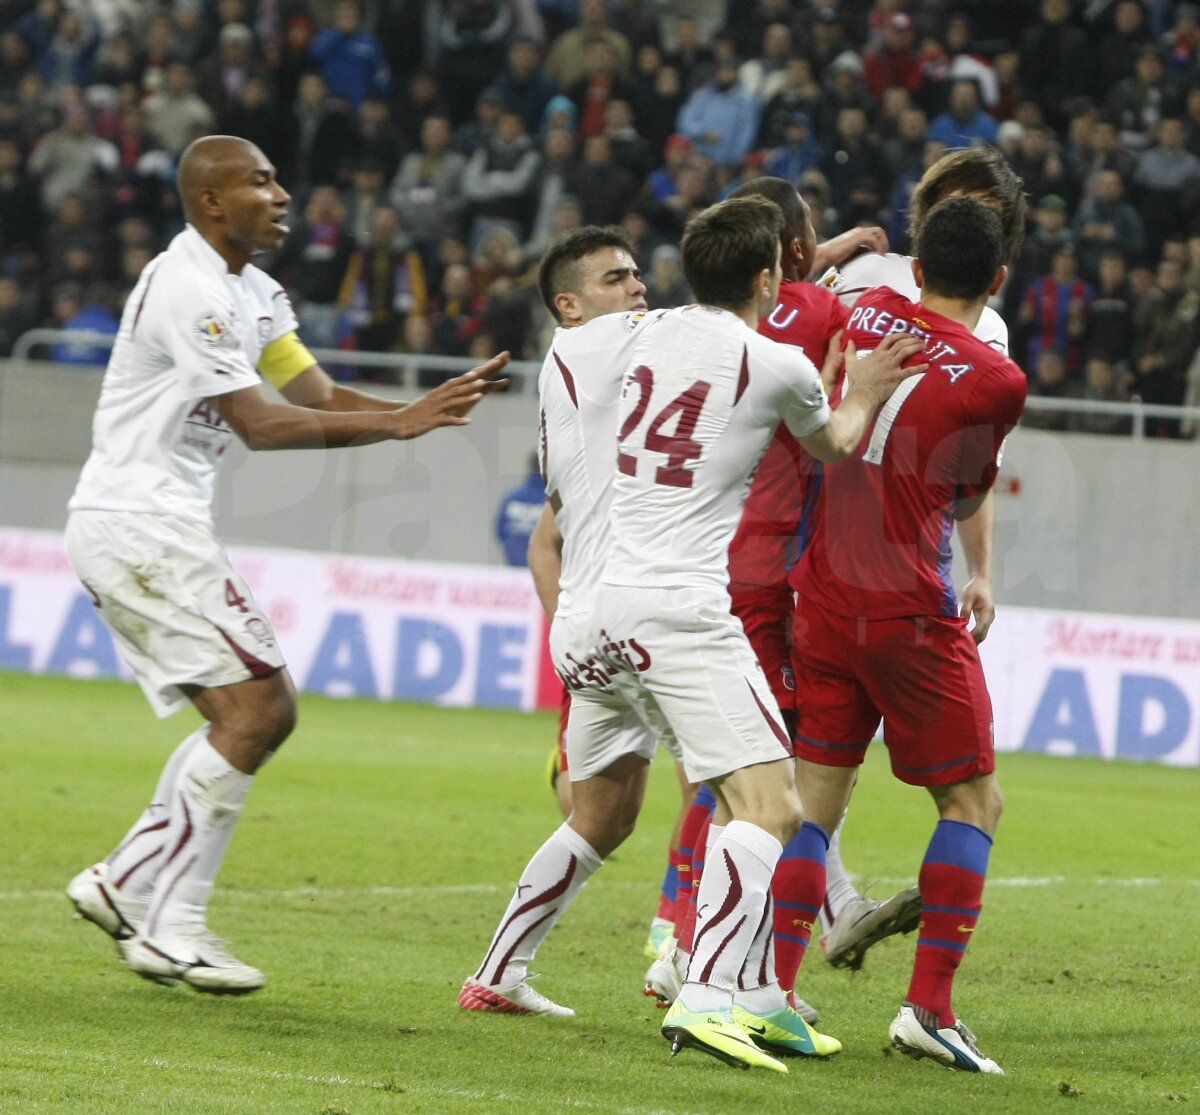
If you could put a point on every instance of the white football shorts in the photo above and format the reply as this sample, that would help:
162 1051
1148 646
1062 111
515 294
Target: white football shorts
177 609
686 665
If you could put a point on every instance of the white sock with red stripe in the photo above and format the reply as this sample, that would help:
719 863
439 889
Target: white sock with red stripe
548 885
133 867
840 890
729 912
204 810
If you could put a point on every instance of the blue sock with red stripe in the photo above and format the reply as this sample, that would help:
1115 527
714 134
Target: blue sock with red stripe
951 881
798 889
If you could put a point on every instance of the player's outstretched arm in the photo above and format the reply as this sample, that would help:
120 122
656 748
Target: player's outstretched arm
976 529
872 381
846 245
545 560
263 424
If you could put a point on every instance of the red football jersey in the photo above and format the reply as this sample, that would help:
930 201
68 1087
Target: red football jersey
778 506
881 546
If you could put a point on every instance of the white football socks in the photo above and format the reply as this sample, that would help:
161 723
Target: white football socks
204 810
134 866
729 912
548 885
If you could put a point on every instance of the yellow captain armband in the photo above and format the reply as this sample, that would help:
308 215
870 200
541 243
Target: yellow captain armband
283 360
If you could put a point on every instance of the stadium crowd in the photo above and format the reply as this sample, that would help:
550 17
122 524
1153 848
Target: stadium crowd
433 150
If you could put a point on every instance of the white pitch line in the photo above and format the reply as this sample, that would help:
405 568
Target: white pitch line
400 1087
1017 881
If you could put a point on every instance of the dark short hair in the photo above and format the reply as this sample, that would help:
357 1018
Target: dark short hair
725 247
779 190
961 248
984 172
559 269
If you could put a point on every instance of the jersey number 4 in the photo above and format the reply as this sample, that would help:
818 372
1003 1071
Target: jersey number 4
679 447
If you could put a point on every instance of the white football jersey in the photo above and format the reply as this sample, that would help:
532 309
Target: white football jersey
191 330
579 388
701 400
871 269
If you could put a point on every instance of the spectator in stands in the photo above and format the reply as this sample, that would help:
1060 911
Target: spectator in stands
964 123
1163 174
600 84
473 39
1054 60
523 86
1055 308
20 210
603 188
75 312
71 158
566 63
800 93
473 135
252 114
798 150
558 163
16 315
893 62
1110 333
367 191
1138 103
176 114
828 40
427 191
520 510
379 139
964 64
221 76
351 61
324 129
420 98
1165 321
316 258
690 56
720 118
1050 380
853 155
630 151
70 55
1181 45
1114 55
658 114
1104 222
665 284
1103 382
499 182
1040 165
844 87
765 76
458 316
904 152
384 284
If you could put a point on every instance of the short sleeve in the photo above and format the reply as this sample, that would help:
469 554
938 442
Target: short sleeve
995 408
283 317
195 324
805 409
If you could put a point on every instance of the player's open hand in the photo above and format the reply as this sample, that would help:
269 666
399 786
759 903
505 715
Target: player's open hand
978 603
449 403
881 371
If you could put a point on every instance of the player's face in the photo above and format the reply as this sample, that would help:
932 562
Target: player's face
610 282
255 204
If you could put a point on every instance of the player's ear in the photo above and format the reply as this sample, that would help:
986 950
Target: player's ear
918 273
998 281
567 305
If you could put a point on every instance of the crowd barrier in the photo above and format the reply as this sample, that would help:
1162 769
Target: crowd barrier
1063 683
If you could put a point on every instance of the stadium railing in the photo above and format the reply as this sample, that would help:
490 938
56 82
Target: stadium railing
406 367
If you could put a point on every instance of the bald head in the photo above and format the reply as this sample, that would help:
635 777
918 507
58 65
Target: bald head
212 163
230 196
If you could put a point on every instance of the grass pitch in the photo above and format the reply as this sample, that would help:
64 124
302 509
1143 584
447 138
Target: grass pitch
378 851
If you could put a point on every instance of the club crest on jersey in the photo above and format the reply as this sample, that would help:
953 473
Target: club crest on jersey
214 332
631 321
